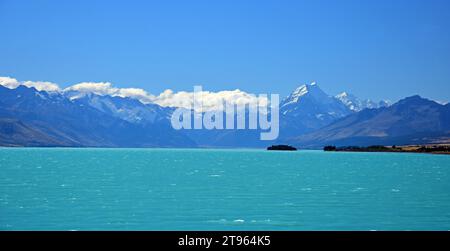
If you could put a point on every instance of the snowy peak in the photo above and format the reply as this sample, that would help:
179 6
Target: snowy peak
349 100
74 95
309 90
355 104
128 109
300 91
310 107
342 95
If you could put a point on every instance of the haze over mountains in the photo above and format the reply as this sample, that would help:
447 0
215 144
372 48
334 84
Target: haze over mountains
309 117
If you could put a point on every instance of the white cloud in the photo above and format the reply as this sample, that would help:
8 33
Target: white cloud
106 88
209 100
42 86
99 88
136 93
13 83
8 82
168 98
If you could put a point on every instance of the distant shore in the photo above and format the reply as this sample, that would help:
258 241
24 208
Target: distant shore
431 148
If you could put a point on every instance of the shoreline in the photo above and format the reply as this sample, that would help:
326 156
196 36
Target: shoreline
442 149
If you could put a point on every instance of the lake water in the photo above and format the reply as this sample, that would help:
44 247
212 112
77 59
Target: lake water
198 189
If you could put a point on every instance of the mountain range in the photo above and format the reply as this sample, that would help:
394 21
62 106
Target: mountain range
413 120
37 118
309 117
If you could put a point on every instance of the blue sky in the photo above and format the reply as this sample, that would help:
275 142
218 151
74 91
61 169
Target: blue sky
374 49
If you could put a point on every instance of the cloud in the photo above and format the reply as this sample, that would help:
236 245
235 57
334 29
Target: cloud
136 93
100 88
8 82
106 88
13 83
210 100
168 98
42 86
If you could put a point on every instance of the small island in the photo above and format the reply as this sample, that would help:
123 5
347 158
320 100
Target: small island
436 149
281 148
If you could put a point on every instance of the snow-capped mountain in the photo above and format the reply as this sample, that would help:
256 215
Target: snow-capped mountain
128 109
308 108
412 120
311 99
29 117
355 104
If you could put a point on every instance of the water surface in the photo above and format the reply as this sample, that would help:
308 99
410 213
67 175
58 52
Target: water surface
202 189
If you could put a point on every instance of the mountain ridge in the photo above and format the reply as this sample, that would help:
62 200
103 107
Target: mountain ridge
29 117
410 120
76 124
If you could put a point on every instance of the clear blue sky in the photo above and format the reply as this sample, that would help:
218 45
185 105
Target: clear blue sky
372 48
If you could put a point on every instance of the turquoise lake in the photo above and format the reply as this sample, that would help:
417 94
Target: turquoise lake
203 189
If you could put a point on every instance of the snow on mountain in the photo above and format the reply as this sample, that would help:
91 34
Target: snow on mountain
311 99
412 120
308 108
41 118
311 91
355 104
74 118
128 109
